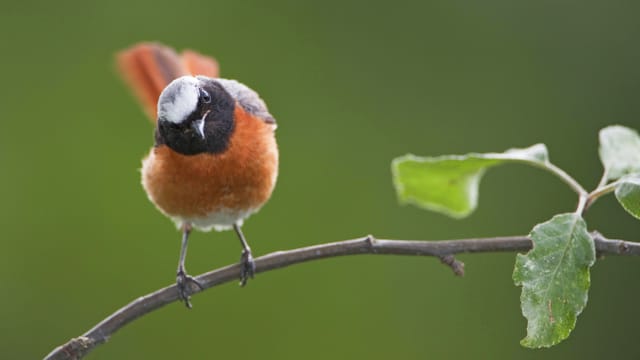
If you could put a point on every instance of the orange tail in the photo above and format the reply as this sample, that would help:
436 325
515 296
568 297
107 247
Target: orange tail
149 67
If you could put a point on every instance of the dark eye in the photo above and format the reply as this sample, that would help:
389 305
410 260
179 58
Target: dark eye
204 96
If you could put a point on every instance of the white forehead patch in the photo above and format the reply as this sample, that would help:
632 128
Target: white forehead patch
178 100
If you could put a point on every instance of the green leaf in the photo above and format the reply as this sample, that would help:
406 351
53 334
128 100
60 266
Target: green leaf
628 194
449 184
619 151
554 277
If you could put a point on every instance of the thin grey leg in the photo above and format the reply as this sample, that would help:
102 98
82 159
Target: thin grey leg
182 278
246 259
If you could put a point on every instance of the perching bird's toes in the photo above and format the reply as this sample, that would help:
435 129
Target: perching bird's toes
248 266
184 288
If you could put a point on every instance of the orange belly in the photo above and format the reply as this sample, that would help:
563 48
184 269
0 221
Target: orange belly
211 189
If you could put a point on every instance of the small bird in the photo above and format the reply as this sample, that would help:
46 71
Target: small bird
215 158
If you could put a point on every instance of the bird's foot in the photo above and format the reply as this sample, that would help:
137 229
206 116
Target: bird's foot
183 281
248 266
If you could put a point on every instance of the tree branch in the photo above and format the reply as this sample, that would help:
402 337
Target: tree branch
78 347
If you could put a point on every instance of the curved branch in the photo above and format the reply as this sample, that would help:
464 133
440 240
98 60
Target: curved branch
76 348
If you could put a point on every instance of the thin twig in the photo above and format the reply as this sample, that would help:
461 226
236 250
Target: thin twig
601 191
76 348
604 179
583 201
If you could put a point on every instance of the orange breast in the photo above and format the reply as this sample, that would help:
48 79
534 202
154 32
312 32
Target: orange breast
241 178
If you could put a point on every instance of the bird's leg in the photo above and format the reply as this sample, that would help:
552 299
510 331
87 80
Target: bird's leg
246 260
182 278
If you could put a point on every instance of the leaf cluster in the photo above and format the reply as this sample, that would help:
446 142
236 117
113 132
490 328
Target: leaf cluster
554 275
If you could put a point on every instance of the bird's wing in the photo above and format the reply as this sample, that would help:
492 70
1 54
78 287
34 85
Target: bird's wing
248 99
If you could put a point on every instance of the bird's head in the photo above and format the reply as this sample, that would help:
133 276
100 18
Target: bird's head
195 115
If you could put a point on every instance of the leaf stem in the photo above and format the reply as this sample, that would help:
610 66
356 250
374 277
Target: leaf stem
601 191
566 178
584 199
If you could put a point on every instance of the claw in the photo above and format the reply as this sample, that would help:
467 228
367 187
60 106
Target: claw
182 281
248 266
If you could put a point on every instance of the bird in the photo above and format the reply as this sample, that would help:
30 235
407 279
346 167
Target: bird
214 160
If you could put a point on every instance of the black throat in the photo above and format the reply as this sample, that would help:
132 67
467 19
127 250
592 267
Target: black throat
218 126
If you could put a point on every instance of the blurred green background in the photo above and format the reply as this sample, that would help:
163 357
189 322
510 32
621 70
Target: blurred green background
352 84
